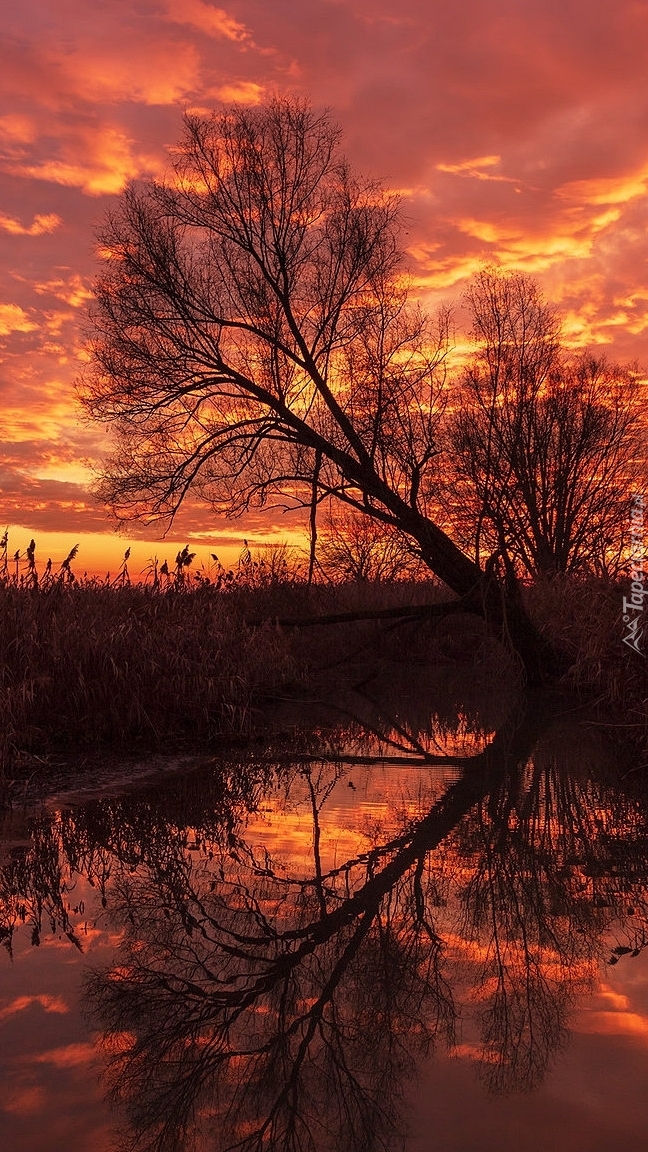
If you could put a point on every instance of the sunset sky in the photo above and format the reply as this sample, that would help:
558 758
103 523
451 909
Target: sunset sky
517 133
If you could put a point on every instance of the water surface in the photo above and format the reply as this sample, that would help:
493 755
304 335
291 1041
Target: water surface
393 926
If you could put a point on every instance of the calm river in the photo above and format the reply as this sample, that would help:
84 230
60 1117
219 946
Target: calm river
413 931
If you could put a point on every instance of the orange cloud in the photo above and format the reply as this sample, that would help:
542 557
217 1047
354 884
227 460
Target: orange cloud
611 1015
14 319
98 160
474 1052
165 74
606 190
39 225
615 1000
444 271
517 247
73 290
612 1024
474 169
212 21
243 92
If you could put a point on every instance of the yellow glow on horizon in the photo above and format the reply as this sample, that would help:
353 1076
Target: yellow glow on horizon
103 553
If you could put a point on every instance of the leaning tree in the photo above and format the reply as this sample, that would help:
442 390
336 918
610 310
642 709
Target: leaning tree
252 335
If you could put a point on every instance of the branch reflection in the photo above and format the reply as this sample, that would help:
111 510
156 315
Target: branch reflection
266 1008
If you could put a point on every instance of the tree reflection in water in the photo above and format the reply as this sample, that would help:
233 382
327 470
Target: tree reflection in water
252 1006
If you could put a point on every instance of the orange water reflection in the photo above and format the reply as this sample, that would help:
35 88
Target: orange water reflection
279 943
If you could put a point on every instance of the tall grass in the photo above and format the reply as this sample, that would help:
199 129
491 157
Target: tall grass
87 666
582 617
177 660
181 659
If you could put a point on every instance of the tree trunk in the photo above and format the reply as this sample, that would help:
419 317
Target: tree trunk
487 595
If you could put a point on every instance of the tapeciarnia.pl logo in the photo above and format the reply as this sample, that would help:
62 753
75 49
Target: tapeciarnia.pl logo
634 605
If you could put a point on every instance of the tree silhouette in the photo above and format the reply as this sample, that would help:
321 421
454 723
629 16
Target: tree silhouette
544 447
253 340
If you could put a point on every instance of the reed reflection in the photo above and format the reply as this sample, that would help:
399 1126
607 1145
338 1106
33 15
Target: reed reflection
113 836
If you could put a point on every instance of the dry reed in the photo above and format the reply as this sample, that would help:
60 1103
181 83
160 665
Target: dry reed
582 617
93 666
176 662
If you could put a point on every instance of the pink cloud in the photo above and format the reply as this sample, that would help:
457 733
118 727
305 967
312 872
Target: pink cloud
207 18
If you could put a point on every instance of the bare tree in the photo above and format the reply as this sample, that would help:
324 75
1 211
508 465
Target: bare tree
358 548
544 447
253 340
